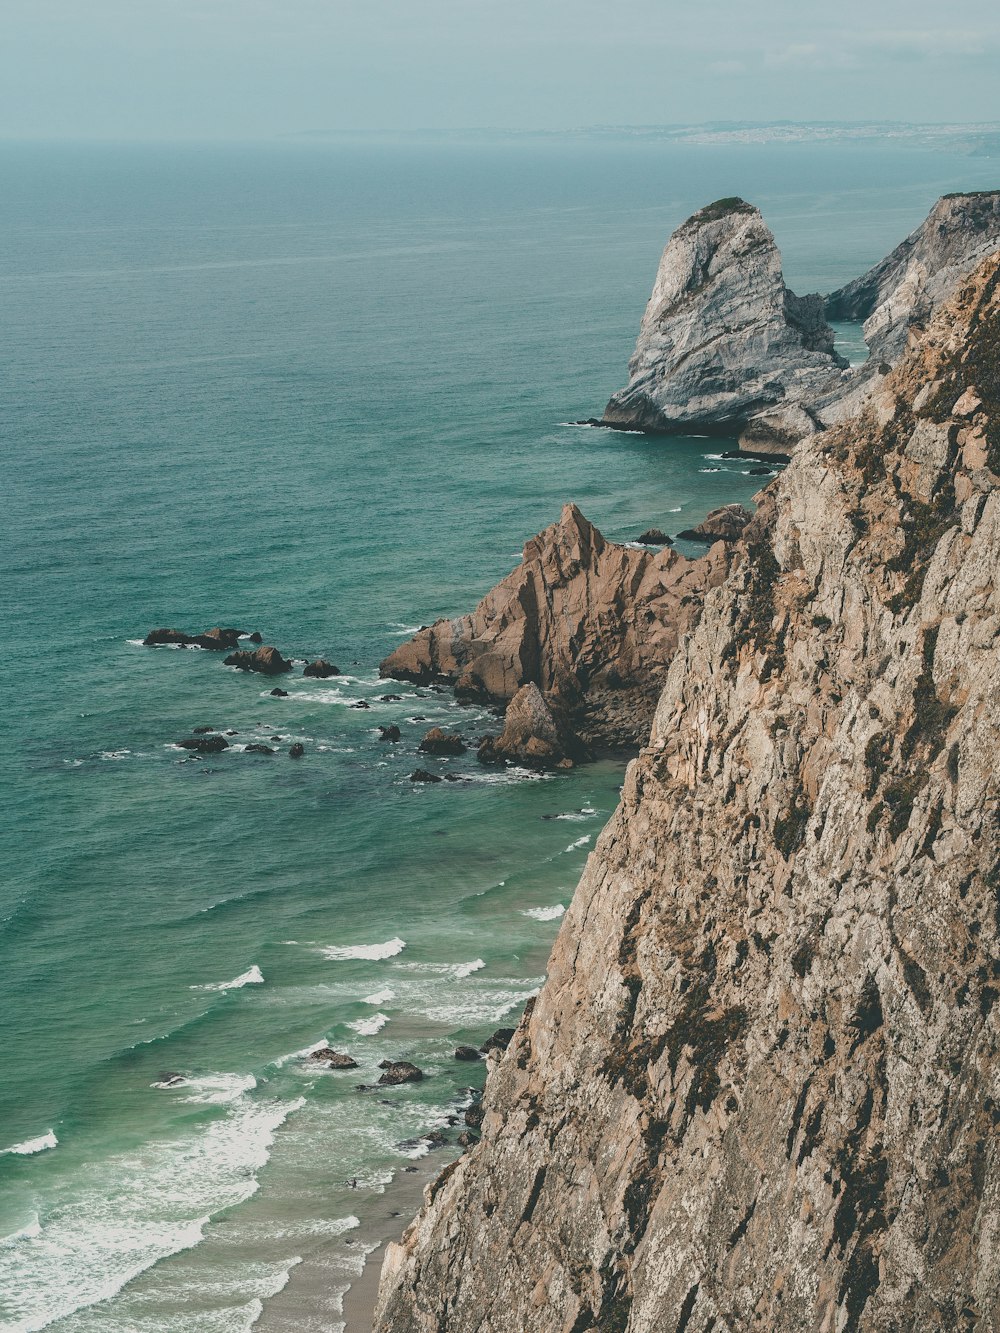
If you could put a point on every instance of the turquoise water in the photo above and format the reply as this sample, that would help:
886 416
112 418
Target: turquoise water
318 392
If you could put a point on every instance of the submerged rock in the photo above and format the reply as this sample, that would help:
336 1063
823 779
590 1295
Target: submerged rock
654 537
296 750
321 669
466 1053
215 640
400 1071
204 744
391 733
439 742
258 749
279 693
421 775
332 1059
267 660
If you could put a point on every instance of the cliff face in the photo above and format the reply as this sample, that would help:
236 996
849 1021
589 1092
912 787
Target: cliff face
592 624
726 348
760 1087
723 339
910 283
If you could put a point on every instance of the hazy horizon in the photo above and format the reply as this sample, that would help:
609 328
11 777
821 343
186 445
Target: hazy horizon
260 69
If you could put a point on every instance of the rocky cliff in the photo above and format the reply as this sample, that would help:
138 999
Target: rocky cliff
726 348
760 1087
910 283
723 339
593 624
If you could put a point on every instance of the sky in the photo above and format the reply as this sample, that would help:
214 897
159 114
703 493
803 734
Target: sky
251 69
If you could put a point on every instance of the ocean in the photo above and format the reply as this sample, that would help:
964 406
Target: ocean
321 391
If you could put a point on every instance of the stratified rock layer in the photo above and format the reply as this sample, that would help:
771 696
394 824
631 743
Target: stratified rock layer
760 1088
723 338
910 283
592 624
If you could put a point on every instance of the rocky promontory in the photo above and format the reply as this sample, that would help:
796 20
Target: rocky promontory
591 623
758 1089
725 348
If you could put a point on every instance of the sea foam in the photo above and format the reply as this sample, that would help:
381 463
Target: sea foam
371 953
133 1209
30 1146
367 1027
545 913
251 977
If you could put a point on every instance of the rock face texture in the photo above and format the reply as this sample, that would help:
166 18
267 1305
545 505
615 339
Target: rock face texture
532 734
910 283
726 349
592 624
723 339
760 1088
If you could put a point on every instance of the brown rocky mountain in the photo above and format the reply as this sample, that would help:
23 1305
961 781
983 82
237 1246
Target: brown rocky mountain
759 1089
591 623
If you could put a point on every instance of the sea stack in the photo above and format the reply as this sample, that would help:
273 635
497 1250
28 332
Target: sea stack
758 1089
724 340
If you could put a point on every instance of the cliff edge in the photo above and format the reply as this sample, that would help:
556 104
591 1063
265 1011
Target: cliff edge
760 1087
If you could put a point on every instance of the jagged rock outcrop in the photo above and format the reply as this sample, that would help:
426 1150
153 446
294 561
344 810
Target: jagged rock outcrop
267 661
908 285
533 734
321 669
723 339
216 640
591 623
725 348
761 1085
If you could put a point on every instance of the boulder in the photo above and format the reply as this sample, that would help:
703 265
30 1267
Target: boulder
204 744
421 775
400 1071
279 693
532 734
475 1115
258 749
721 525
203 731
215 640
296 751
466 1053
256 637
439 742
654 537
321 669
267 661
332 1059
391 733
